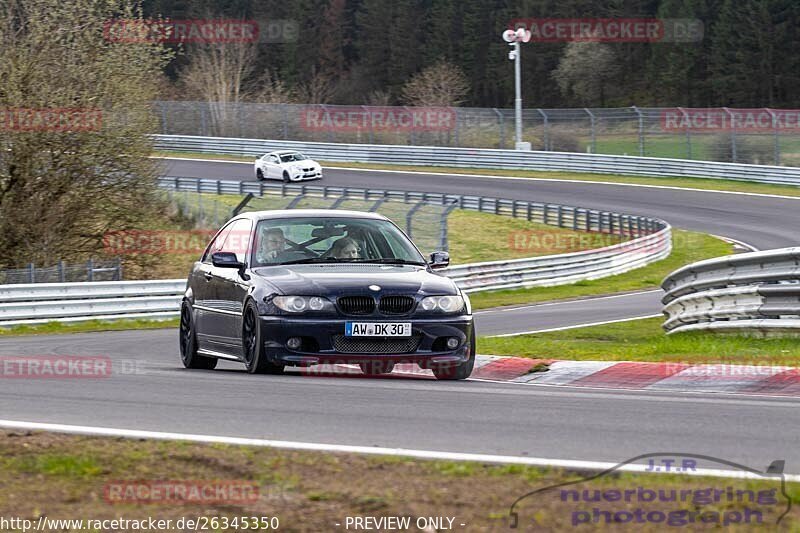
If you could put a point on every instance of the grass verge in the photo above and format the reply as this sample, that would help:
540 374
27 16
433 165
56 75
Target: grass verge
710 184
89 325
76 477
687 247
644 340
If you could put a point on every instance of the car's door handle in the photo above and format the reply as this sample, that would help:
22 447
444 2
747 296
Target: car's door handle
208 276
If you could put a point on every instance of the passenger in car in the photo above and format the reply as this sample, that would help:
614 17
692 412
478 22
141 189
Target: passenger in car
345 248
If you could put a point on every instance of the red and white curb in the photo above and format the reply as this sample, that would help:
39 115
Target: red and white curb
671 377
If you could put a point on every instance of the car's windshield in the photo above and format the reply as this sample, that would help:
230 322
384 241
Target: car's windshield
296 156
332 240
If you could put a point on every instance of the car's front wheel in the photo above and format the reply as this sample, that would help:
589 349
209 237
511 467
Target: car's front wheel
255 357
188 342
460 371
286 177
259 174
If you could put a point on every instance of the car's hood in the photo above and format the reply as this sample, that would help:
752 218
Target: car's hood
303 163
337 279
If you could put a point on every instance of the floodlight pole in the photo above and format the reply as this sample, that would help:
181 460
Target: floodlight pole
518 92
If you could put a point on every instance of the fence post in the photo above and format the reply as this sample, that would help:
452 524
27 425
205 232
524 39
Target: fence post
119 269
641 130
32 272
593 132
90 269
285 120
410 215
777 136
688 133
546 136
734 154
443 240
61 273
501 123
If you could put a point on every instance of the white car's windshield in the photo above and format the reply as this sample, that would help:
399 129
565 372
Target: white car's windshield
324 240
289 158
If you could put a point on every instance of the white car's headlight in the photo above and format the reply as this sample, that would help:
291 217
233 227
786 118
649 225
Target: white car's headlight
302 304
442 304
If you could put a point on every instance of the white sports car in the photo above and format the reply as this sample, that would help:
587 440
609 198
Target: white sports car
288 166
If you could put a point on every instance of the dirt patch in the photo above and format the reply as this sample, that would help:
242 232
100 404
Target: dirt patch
74 477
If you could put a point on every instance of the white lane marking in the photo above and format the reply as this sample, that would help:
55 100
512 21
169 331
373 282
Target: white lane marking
557 180
562 328
746 246
564 302
367 450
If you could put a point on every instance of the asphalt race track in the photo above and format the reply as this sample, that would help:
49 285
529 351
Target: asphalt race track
149 390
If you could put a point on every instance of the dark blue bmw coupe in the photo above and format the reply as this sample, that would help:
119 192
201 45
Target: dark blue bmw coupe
303 287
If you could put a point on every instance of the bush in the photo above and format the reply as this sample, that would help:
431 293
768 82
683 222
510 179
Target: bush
757 150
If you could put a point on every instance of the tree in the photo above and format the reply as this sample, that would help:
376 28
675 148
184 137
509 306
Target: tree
64 185
216 73
585 71
441 84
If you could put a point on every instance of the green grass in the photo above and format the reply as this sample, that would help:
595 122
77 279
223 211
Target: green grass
87 326
710 184
644 340
688 247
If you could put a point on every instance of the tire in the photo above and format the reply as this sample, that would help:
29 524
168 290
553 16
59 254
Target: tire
255 358
188 343
286 178
458 372
376 368
259 175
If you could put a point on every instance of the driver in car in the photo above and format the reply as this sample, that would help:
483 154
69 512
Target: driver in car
272 245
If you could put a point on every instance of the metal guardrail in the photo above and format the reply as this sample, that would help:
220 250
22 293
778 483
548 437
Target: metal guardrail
38 303
486 158
756 293
650 240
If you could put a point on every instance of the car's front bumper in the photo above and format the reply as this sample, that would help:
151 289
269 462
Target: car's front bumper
319 334
302 176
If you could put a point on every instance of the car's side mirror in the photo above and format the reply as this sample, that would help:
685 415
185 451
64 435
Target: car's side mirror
439 260
226 260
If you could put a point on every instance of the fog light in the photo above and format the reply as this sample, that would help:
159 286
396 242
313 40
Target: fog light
452 343
294 343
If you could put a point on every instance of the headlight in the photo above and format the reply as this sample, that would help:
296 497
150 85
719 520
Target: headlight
442 304
302 304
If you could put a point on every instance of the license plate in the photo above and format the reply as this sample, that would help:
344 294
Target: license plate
377 329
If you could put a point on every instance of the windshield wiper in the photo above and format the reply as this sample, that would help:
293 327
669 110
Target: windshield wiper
310 260
390 261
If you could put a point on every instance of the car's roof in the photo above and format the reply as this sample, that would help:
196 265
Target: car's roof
283 152
309 213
